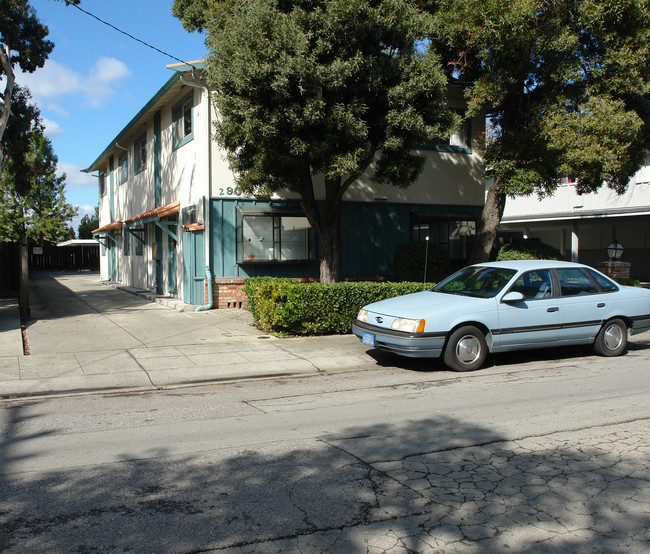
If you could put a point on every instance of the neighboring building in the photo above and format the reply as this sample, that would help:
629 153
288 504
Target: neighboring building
582 226
169 209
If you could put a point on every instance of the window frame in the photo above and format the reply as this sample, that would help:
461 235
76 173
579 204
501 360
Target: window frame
102 183
249 255
179 116
123 167
140 154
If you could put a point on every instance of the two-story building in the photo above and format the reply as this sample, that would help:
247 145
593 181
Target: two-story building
171 215
583 226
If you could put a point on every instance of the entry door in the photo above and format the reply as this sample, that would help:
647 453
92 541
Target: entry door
193 267
171 264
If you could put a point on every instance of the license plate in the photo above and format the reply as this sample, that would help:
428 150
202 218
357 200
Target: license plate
368 339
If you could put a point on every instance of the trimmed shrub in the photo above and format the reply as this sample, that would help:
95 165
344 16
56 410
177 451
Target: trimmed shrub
288 306
528 250
627 281
408 262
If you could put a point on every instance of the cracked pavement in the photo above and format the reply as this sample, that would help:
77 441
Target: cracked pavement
541 457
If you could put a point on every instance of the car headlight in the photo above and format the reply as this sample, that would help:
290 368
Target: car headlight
363 315
408 325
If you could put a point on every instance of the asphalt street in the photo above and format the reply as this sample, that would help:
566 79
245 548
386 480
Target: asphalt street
539 452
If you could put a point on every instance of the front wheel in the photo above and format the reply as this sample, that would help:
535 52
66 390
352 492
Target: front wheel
611 339
466 349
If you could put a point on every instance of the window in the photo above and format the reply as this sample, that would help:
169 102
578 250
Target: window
126 243
276 238
602 281
574 282
123 167
534 285
102 183
139 238
140 154
454 234
182 122
462 138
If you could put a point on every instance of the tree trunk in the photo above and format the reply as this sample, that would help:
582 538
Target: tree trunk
485 242
329 245
326 222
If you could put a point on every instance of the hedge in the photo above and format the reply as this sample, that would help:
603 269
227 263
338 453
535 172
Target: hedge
409 258
290 307
528 250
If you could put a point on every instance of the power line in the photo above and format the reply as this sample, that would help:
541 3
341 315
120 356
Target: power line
133 38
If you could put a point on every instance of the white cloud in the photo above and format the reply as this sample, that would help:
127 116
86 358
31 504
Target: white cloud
74 176
55 81
52 128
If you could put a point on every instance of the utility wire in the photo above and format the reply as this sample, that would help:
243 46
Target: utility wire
132 37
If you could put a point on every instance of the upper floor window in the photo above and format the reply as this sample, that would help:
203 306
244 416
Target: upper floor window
140 154
123 167
102 183
182 128
462 138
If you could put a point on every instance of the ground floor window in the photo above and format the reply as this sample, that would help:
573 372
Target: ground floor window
451 232
274 237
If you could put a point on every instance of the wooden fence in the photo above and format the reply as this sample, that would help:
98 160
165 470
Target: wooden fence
47 258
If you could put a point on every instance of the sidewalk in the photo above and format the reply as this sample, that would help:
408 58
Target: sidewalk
86 336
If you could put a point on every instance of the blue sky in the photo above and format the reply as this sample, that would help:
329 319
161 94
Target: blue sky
97 79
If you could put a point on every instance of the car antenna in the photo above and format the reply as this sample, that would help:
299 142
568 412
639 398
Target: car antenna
426 260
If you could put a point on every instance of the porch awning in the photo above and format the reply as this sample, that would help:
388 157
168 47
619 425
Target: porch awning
157 213
108 227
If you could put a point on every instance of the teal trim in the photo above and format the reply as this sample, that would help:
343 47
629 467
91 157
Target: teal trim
371 231
136 232
111 185
138 153
187 67
117 242
123 168
164 226
157 157
445 148
181 119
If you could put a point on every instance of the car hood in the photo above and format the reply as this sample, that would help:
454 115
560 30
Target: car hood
426 303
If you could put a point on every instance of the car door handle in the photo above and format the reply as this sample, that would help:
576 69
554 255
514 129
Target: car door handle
600 305
554 309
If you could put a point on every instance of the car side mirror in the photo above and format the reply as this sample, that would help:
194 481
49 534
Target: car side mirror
513 297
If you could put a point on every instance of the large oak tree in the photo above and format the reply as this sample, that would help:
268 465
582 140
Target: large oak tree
567 82
313 94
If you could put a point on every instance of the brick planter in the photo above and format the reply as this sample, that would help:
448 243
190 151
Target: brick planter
615 270
227 293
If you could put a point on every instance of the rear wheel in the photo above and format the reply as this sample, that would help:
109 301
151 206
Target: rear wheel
612 338
466 349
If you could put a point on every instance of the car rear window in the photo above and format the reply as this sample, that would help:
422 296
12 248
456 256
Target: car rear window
603 282
574 281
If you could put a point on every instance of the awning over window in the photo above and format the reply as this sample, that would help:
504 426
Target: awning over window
109 227
157 213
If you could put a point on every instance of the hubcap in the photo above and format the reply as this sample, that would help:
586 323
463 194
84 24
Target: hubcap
613 337
468 349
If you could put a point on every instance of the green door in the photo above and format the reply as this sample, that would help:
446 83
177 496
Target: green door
193 267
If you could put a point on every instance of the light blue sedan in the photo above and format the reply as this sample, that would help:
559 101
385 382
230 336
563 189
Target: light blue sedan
502 306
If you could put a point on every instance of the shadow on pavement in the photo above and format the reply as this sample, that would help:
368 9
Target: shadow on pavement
424 490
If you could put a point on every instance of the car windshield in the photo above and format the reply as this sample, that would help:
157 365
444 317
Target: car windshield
479 282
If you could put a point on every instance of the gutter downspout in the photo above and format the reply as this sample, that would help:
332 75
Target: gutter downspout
206 208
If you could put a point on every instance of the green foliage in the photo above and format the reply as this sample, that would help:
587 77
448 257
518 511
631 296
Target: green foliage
627 281
42 212
408 262
566 83
287 306
335 88
88 224
528 250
